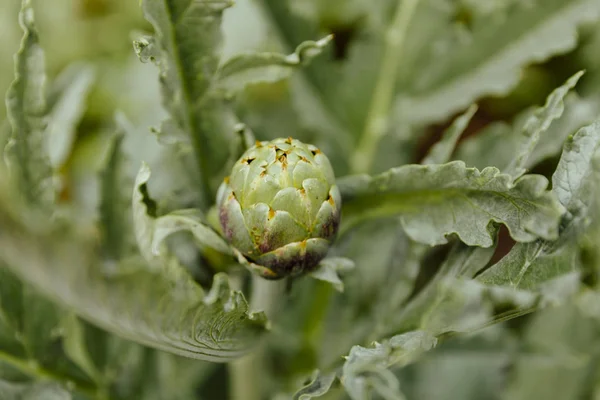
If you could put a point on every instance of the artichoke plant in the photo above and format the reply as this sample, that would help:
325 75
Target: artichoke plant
280 206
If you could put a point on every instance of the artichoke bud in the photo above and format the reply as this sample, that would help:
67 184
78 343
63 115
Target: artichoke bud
280 206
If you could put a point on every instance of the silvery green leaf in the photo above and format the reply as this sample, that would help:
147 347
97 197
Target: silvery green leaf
66 113
249 68
328 271
538 123
26 106
187 34
434 201
144 214
189 221
487 59
163 309
528 265
366 370
441 152
317 387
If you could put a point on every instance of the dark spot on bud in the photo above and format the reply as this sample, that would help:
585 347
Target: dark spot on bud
289 140
248 160
330 200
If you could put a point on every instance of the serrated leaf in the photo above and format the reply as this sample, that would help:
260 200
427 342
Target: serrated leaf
66 113
441 152
317 387
529 265
26 107
187 34
328 271
487 60
538 123
366 372
250 68
434 201
164 309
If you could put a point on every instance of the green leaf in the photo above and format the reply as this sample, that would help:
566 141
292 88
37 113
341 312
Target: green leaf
151 230
538 123
165 309
529 265
250 68
328 271
487 58
26 105
436 200
189 221
75 347
317 387
441 152
35 391
187 34
366 369
113 202
66 113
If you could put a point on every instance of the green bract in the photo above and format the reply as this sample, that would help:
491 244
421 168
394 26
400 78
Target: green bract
280 206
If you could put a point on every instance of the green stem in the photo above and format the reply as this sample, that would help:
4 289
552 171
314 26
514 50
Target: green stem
34 370
247 372
377 118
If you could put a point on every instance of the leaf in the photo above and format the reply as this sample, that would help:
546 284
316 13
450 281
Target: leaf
26 107
165 310
75 347
187 33
529 265
190 221
328 269
366 369
538 123
505 138
251 68
151 230
457 68
37 391
441 152
317 387
66 113
436 200
113 203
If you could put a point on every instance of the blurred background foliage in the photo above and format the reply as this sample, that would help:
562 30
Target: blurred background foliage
554 354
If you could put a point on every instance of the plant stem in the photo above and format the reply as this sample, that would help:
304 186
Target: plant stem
377 118
247 372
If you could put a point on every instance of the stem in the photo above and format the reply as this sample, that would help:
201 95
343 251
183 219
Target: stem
377 118
246 373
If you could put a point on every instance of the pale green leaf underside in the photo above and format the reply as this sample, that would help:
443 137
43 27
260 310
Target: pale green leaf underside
165 309
489 59
318 386
328 271
437 200
366 369
249 68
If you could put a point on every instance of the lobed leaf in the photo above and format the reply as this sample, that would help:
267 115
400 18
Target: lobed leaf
250 68
187 35
317 387
26 106
366 369
487 58
437 200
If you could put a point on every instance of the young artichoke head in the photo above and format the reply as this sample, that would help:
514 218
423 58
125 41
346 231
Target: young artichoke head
280 207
